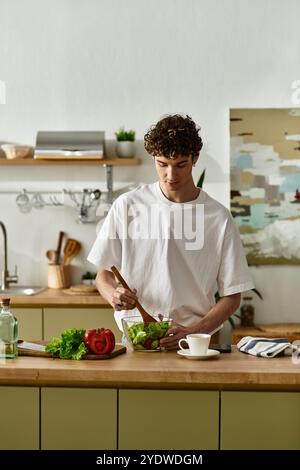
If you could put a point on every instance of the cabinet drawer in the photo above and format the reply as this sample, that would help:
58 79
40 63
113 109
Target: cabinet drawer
260 420
29 323
168 419
19 412
74 418
58 319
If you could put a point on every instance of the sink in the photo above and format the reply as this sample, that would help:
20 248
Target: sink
22 290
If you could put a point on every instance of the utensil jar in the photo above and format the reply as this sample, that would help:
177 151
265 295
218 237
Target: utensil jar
58 276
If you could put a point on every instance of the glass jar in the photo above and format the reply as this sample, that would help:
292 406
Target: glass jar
8 332
247 312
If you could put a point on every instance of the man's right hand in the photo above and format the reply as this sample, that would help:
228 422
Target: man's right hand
124 299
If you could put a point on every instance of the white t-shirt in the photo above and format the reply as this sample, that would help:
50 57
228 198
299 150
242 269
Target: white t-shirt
177 255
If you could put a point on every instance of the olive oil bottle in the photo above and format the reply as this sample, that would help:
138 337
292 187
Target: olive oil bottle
8 332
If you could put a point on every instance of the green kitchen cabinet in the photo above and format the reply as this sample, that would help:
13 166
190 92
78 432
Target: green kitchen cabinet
19 418
168 419
58 319
260 420
77 418
30 321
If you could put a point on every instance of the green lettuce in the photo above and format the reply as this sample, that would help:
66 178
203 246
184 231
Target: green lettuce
147 335
69 346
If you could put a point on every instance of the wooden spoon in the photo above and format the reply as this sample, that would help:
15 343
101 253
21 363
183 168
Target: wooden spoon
145 315
51 255
71 249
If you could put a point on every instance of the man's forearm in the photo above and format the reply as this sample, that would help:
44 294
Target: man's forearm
218 314
106 284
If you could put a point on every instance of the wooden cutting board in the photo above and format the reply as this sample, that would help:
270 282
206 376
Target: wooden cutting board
82 289
119 349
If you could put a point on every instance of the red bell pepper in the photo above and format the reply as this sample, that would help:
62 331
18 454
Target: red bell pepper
147 344
100 340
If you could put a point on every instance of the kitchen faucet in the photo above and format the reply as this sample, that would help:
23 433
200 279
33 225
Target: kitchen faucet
6 279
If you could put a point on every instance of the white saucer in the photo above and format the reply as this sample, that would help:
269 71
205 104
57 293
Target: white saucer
187 353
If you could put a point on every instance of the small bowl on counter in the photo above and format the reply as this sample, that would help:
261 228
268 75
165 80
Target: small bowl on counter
142 336
15 151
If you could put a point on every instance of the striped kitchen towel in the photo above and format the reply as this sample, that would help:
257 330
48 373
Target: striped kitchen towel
265 347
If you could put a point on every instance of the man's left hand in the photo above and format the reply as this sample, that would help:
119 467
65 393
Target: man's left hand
174 334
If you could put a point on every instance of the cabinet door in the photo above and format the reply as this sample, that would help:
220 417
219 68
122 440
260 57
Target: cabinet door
19 418
260 420
168 419
29 323
78 418
58 319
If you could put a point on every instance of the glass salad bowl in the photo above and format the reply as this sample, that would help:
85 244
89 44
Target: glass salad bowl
145 336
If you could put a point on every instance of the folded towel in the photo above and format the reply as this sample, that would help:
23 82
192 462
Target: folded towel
265 347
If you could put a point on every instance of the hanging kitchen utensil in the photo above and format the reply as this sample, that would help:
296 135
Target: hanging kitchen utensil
51 255
23 202
58 247
147 318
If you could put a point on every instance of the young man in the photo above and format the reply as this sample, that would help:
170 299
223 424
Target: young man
172 242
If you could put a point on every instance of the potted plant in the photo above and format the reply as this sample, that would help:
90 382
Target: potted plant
125 143
89 278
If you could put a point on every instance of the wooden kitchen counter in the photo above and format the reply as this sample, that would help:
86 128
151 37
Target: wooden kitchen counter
157 370
58 298
291 331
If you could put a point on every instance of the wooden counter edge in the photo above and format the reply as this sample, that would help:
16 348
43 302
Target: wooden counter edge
166 370
79 383
57 298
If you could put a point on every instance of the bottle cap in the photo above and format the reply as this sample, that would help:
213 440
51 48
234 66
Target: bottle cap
5 301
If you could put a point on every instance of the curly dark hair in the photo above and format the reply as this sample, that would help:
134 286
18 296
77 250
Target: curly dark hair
172 136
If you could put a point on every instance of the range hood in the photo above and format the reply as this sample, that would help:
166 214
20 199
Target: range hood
70 145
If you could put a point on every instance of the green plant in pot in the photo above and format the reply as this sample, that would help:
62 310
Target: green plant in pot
125 147
89 277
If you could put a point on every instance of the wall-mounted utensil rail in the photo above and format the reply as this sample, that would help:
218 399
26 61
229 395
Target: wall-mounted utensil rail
27 200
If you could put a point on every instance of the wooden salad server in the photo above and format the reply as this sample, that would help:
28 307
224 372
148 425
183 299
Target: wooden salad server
147 318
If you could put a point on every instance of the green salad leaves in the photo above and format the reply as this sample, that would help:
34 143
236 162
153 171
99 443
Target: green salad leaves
147 335
69 346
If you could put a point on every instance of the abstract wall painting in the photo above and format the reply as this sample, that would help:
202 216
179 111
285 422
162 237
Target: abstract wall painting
265 183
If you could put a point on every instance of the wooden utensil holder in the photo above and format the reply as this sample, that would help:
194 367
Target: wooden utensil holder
58 276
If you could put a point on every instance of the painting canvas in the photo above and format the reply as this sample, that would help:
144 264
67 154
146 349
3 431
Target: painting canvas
265 183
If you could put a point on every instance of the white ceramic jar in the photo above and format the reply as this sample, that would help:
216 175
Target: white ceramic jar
125 149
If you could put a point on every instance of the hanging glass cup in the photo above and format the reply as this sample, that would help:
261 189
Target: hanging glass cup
23 202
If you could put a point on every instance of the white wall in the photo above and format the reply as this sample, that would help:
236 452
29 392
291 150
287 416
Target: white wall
100 64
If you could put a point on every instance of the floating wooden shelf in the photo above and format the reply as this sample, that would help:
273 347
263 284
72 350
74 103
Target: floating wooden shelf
100 162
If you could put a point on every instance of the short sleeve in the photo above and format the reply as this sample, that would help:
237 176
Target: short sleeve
107 249
234 274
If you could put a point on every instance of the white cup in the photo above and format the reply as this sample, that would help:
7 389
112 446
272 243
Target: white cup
198 343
